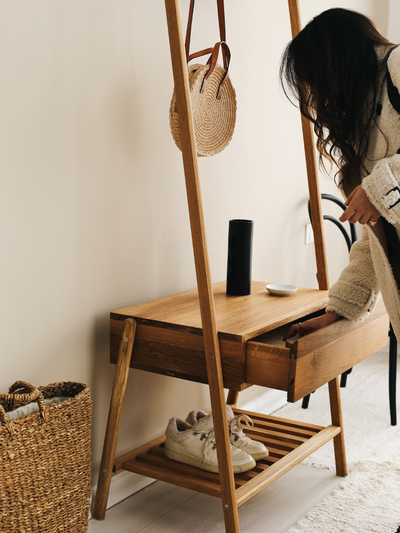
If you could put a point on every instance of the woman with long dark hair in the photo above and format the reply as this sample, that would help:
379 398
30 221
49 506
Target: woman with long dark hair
345 76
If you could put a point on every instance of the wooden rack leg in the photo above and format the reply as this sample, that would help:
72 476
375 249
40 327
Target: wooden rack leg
338 441
206 298
232 398
114 418
312 173
230 510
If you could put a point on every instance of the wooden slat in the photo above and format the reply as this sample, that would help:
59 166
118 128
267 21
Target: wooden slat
277 420
282 466
261 434
157 456
274 456
203 474
264 427
279 447
284 437
119 461
276 441
268 461
175 476
203 275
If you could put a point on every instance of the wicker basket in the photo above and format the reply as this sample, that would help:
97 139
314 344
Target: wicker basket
45 460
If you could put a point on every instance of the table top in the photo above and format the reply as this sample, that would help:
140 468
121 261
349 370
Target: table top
245 316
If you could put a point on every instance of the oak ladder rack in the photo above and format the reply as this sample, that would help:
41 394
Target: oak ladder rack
231 355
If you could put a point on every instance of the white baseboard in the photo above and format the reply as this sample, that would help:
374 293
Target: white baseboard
268 402
126 484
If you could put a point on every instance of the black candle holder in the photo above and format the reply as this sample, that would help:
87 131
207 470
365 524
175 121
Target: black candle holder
240 241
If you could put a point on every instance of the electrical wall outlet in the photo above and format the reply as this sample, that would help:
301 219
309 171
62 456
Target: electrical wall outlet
309 234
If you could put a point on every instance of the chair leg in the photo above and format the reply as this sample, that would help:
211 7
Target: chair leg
343 378
306 401
114 418
392 376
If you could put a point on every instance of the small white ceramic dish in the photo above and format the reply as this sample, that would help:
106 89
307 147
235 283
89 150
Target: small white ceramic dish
281 290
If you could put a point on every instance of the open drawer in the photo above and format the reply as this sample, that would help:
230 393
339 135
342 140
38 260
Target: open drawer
304 364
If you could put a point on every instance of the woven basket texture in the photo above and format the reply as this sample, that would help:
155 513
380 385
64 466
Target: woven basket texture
214 119
45 480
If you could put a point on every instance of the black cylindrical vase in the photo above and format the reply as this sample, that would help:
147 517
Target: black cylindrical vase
240 241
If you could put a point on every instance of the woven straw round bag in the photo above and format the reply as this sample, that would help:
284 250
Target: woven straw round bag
212 96
213 102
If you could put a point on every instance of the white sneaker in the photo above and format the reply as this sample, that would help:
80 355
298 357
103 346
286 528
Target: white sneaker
195 446
237 437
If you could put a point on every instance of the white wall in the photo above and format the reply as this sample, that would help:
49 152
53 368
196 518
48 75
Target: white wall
93 213
394 18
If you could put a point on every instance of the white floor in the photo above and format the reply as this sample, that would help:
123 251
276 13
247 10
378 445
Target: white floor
164 508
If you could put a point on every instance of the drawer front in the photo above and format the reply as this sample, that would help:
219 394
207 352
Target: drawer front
267 365
307 363
325 354
179 353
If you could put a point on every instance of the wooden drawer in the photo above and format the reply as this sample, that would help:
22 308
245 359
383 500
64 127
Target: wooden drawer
178 352
298 367
305 364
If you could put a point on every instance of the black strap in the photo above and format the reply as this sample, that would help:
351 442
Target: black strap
393 93
393 249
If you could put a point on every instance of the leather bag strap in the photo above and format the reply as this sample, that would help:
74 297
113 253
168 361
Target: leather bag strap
212 61
221 21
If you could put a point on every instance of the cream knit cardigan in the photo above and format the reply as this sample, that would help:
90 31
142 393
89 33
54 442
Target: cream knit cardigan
369 272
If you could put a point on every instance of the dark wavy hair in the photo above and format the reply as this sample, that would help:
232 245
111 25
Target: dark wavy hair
332 69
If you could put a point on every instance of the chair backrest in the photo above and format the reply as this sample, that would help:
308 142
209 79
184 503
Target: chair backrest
350 239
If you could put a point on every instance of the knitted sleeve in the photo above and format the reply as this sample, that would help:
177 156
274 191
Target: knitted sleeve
383 188
355 294
383 184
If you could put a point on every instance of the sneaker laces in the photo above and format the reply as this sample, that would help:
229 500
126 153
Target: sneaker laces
210 441
236 428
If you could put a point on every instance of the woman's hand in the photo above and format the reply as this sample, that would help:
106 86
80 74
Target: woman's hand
303 328
359 208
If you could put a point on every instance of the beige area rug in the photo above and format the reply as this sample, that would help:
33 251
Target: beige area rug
368 499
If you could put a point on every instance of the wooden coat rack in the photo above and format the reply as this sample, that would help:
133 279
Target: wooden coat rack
178 336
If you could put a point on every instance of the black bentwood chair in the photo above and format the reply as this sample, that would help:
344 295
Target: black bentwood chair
350 240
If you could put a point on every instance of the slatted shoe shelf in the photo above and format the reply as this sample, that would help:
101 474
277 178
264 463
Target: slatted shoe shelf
288 443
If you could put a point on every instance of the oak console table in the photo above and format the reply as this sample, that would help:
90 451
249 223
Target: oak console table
232 342
165 336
